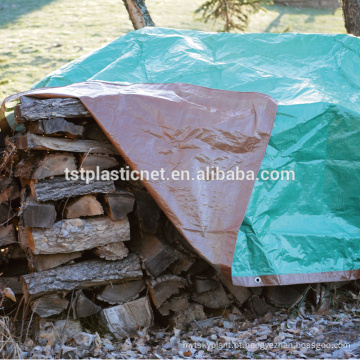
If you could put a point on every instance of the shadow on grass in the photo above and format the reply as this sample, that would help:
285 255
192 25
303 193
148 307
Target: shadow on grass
289 10
12 10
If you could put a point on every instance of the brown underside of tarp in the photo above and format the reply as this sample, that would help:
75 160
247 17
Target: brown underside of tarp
186 127
292 279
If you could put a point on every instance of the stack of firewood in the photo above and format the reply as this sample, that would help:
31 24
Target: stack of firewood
102 249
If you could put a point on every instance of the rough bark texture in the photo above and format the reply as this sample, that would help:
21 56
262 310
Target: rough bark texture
78 234
81 275
32 109
59 188
124 320
56 126
351 10
36 142
138 13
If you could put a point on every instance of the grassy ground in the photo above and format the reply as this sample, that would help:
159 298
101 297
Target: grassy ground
38 36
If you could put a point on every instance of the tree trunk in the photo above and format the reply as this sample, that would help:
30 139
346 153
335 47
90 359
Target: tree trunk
351 9
138 13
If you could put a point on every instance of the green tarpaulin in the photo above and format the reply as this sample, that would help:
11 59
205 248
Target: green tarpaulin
307 230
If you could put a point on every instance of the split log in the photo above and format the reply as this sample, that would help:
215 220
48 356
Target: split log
213 299
7 235
57 127
78 234
113 251
156 255
147 211
284 296
195 312
164 287
119 204
45 262
49 305
5 213
121 293
24 234
93 132
124 320
55 331
241 293
41 165
183 262
33 214
175 305
81 275
59 188
36 142
83 307
12 282
83 206
259 306
9 189
32 109
94 161
202 284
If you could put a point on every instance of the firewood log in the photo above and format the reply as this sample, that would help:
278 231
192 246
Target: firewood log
41 165
49 305
86 205
124 320
163 287
58 188
56 127
82 275
77 235
121 293
156 255
82 306
36 142
94 161
7 235
32 109
119 204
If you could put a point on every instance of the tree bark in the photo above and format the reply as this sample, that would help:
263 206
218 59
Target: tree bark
81 275
138 13
351 9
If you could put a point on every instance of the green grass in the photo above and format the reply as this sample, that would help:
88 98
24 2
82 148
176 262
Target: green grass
38 36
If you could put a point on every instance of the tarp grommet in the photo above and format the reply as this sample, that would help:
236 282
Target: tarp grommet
258 280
